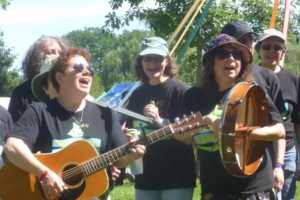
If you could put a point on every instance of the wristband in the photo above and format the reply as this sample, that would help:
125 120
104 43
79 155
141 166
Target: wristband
43 176
279 165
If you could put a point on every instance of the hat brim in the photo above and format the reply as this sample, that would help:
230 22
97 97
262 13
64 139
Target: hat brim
246 54
37 86
272 35
153 51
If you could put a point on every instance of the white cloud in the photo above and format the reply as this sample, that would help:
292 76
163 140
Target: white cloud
44 14
24 21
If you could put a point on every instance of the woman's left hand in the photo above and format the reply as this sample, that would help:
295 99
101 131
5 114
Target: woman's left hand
212 122
278 178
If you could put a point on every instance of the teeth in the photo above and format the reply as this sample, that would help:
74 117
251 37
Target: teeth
84 81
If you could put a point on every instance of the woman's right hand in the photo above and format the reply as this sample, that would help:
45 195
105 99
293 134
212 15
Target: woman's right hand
52 185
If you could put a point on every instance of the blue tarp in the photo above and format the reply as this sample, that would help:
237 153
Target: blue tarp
118 95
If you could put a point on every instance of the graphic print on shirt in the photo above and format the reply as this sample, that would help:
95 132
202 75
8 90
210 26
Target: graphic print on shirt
205 139
77 132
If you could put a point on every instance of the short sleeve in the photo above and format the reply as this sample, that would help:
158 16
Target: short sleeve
27 127
296 112
118 138
6 124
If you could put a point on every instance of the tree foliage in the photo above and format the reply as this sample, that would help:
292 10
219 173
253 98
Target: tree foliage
164 18
8 79
4 3
113 56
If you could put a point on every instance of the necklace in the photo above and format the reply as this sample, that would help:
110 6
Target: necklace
80 122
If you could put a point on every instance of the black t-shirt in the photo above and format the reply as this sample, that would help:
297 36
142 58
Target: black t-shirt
6 124
289 84
49 127
213 176
21 97
167 163
270 84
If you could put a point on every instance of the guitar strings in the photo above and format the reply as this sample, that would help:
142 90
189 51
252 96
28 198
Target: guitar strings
80 169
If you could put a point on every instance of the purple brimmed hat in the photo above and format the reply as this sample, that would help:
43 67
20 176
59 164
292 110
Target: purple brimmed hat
222 40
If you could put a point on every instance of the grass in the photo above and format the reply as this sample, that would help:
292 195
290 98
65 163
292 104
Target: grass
126 192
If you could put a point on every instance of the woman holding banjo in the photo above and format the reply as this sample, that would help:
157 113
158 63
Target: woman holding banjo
225 62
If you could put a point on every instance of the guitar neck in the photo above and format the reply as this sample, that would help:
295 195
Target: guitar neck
104 160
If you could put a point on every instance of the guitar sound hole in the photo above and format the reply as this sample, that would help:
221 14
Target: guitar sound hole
72 176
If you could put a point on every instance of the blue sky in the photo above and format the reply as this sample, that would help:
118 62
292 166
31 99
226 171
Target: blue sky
26 20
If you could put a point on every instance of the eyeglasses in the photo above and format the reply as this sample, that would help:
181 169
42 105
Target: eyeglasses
156 59
223 54
268 47
78 68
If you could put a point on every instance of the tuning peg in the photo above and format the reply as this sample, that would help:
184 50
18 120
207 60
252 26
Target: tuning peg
177 120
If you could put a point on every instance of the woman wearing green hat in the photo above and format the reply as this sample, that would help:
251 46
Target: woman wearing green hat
168 166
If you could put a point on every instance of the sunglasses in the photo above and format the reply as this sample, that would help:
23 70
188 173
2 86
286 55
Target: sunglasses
223 54
268 47
156 59
78 68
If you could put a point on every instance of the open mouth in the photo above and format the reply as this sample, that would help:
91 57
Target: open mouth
153 70
229 68
84 81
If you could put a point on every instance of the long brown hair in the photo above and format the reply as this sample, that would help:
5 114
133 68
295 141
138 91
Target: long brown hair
207 78
170 70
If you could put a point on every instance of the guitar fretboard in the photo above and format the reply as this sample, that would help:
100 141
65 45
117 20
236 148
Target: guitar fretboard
104 160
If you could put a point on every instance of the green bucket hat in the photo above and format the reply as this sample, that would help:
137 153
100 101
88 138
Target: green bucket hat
38 81
154 45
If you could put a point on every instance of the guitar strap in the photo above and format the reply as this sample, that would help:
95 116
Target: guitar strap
107 116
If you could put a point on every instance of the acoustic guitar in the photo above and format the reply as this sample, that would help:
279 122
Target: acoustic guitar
245 108
80 166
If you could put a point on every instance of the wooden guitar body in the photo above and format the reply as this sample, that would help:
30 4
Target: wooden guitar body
80 167
16 184
246 107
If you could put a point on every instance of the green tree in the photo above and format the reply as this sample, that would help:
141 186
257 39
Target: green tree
4 3
8 79
292 61
167 15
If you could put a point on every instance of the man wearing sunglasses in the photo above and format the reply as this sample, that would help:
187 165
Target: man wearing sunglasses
271 48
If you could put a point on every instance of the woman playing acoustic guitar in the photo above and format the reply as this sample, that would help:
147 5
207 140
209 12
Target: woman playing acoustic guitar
61 121
224 63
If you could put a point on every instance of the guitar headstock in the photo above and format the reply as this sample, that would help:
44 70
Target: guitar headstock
187 123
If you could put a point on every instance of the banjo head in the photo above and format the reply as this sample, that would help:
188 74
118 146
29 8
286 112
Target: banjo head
245 108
